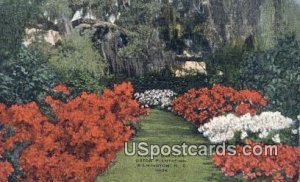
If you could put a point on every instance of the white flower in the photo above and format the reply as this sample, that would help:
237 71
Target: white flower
294 131
160 98
276 138
221 129
263 134
201 129
244 135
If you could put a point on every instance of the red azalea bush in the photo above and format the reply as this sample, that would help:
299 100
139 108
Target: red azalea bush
89 132
200 105
6 170
281 167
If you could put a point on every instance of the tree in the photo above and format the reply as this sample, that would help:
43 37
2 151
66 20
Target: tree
15 15
78 63
58 10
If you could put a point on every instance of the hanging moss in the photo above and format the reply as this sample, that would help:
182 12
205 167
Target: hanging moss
290 22
278 19
267 25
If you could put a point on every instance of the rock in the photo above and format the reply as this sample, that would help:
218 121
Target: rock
191 68
38 35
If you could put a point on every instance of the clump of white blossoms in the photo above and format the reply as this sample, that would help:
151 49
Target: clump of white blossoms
223 128
156 98
276 138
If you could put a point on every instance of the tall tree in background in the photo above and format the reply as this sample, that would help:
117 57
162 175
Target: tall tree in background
15 15
60 11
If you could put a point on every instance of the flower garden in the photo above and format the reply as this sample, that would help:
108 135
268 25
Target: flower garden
89 129
79 145
227 115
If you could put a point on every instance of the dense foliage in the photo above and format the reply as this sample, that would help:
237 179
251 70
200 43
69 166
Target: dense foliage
78 63
225 64
139 20
26 78
167 80
281 167
81 144
276 73
15 16
200 105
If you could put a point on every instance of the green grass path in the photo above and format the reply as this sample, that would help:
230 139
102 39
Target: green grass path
164 128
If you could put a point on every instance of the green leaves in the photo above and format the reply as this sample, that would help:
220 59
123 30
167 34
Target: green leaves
227 60
78 63
276 73
26 78
167 80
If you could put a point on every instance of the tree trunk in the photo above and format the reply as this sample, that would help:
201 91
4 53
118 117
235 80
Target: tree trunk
67 25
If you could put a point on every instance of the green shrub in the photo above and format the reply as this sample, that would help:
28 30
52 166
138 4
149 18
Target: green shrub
78 63
26 78
165 80
224 65
275 72
15 16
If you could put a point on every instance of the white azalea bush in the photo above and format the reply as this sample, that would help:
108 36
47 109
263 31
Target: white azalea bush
156 98
264 127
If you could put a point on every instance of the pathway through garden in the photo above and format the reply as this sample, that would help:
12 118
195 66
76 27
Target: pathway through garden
164 128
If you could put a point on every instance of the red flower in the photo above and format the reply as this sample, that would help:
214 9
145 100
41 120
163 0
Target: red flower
201 105
89 132
6 170
285 164
62 88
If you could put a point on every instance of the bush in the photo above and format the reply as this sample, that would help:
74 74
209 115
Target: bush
79 64
156 98
276 74
90 130
200 105
224 65
282 167
26 78
6 170
267 124
166 80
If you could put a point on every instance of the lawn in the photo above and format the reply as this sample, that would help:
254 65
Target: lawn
164 128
